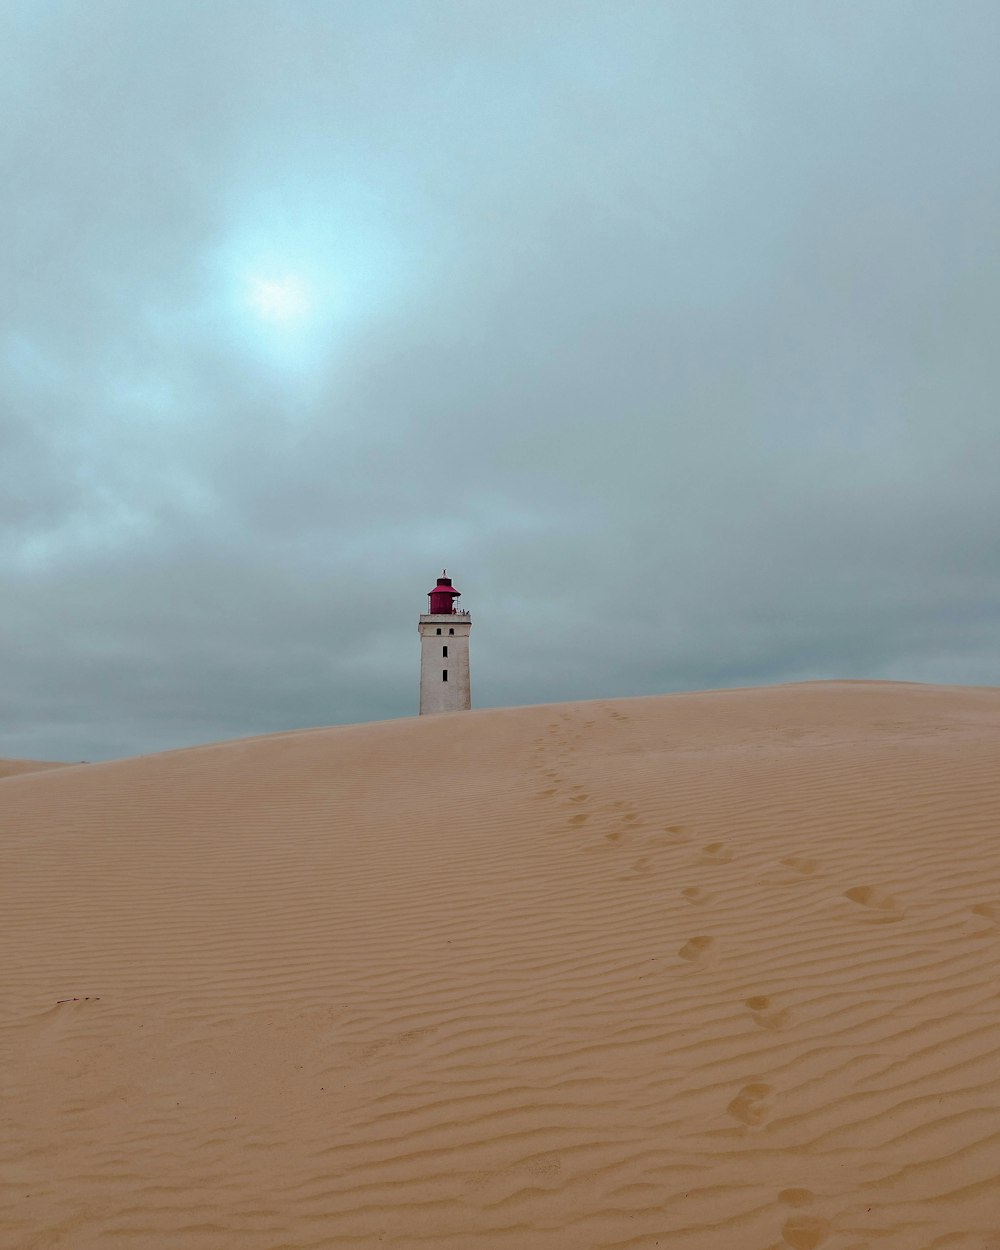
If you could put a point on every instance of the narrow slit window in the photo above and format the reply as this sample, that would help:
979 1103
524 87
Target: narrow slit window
444 674
451 631
439 630
444 652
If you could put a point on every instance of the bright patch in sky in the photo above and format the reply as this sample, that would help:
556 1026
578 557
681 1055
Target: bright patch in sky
279 299
302 269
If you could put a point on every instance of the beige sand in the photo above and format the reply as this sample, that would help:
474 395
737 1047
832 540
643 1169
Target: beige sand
10 768
702 972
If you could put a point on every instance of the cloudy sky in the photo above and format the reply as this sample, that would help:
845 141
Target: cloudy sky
670 328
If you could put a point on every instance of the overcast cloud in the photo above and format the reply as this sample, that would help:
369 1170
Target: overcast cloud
670 328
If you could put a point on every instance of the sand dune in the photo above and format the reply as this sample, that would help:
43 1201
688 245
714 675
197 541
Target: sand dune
698 971
11 768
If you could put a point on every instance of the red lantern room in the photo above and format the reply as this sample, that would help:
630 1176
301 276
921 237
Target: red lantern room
443 597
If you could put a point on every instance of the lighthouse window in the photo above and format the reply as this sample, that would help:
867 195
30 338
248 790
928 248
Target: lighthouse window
451 631
439 631
444 674
444 652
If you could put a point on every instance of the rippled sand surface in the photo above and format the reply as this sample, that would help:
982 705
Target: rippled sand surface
707 972
11 768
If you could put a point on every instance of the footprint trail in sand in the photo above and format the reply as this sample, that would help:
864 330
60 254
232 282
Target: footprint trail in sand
603 976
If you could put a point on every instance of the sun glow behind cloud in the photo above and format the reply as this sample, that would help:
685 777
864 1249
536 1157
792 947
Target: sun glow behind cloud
281 300
302 273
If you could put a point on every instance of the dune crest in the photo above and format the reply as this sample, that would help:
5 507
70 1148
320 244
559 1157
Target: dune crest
14 768
699 971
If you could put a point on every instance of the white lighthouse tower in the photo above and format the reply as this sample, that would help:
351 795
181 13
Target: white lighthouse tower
444 652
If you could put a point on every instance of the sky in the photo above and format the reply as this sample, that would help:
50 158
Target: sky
670 328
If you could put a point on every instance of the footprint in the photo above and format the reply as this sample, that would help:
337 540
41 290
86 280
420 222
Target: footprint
752 1104
796 1197
631 816
717 853
805 1232
579 798
696 948
760 1007
991 911
695 894
677 833
615 836
805 866
641 866
578 820
545 794
883 907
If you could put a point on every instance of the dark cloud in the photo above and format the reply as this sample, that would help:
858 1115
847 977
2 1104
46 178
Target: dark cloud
669 329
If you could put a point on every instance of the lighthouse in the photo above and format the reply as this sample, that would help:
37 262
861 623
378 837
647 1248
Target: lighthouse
444 652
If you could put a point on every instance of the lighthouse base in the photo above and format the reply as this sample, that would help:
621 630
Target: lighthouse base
444 663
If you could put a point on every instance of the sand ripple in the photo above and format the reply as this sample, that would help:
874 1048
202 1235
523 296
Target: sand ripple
699 971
